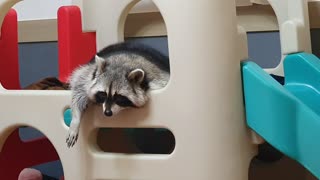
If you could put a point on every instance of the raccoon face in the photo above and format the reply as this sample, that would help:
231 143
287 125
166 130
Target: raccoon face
117 89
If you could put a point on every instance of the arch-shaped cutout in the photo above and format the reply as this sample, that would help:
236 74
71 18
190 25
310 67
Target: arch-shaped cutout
264 47
20 152
148 23
148 29
136 140
137 28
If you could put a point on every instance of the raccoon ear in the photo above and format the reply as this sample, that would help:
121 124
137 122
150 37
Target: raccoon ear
136 76
98 59
101 63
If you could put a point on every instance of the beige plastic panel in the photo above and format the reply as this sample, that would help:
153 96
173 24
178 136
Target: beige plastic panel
243 52
243 3
263 2
106 18
42 110
293 19
202 104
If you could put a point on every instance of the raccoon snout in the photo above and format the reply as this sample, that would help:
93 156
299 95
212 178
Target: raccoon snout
108 112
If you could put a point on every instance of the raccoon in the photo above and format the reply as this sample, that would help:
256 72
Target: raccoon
117 77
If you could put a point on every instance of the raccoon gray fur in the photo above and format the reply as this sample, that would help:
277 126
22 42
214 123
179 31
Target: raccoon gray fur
118 77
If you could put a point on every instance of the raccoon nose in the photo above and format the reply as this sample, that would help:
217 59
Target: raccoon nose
108 113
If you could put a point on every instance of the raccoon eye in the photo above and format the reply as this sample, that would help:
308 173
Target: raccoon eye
101 97
123 101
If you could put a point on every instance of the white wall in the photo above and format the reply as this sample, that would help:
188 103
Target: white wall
39 9
47 9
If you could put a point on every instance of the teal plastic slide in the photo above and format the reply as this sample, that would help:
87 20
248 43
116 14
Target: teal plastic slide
287 116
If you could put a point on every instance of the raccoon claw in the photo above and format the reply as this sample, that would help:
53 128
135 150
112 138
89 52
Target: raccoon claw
72 138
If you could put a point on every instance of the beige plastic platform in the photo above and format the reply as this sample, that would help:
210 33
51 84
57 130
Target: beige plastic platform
202 104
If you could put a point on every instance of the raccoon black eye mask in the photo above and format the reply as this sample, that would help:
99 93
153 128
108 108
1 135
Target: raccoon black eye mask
118 77
102 97
122 101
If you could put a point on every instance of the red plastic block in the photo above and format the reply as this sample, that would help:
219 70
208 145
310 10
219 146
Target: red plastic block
9 62
75 47
15 154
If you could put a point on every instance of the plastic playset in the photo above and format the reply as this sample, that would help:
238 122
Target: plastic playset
216 137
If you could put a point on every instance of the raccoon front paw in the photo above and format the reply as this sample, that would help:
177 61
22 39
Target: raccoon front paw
72 137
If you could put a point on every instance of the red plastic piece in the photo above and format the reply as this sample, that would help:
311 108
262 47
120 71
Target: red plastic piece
75 47
17 155
9 62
